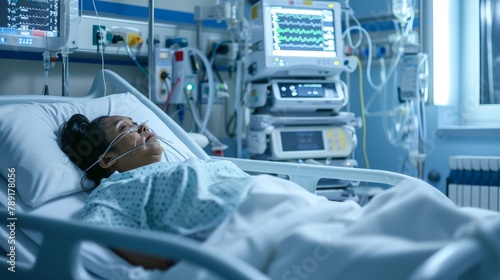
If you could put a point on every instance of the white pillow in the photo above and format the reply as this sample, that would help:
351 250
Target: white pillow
29 142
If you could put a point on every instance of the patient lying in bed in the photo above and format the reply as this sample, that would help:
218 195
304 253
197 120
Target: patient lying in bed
136 190
258 219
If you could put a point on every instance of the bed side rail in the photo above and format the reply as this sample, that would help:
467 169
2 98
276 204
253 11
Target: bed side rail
476 255
308 175
61 241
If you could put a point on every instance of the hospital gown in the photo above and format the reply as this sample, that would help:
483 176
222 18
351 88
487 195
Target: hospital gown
188 198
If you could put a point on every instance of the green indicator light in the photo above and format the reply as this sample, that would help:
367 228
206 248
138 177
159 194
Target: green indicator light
189 87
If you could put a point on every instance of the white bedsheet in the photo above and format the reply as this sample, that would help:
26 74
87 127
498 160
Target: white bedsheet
289 234
97 259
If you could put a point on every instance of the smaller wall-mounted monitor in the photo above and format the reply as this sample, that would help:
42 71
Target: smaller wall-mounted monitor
38 25
296 39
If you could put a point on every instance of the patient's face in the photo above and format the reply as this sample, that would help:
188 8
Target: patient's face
149 152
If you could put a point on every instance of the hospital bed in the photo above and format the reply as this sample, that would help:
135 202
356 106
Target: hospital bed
50 243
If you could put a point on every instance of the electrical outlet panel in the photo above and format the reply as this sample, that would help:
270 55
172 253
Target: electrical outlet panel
89 27
125 35
99 35
163 75
183 79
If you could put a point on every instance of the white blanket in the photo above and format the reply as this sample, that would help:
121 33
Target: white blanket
288 233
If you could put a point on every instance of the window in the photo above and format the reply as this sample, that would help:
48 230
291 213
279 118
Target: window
481 100
466 61
490 52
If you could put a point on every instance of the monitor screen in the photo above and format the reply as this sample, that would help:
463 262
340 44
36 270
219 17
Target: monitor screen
37 18
36 24
302 32
302 141
295 39
299 90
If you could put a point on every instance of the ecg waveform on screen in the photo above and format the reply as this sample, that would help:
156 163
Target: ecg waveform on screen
32 15
304 32
300 31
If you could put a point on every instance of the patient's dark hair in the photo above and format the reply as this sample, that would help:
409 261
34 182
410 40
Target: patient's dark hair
84 141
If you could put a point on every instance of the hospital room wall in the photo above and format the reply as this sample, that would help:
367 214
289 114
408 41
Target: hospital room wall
440 143
24 76
21 76
23 73
17 79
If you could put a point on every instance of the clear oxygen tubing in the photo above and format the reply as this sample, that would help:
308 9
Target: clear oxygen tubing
168 143
135 128
345 89
393 67
134 58
217 145
347 33
118 137
211 88
402 112
394 113
376 94
348 12
400 50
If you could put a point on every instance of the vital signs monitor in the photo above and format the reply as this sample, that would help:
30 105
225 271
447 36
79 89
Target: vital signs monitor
296 39
28 25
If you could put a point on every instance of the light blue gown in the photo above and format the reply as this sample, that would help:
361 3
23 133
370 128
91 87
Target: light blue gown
188 198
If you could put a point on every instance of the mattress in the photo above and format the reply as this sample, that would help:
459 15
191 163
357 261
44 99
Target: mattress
65 208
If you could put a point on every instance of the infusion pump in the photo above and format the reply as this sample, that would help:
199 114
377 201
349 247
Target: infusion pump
297 96
302 142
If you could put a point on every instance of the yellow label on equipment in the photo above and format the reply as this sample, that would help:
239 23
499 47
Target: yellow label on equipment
255 12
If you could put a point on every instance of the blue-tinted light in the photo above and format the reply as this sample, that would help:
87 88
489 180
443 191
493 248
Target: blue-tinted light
25 41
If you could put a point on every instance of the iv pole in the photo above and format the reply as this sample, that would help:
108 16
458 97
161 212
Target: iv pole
150 42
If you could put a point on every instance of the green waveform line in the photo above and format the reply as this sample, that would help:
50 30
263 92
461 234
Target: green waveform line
299 39
299 31
300 17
